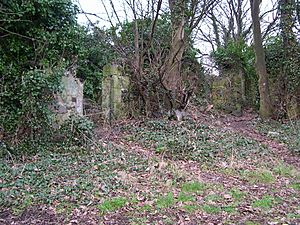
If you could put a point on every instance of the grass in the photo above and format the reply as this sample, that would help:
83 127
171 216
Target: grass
296 186
191 208
112 205
259 176
165 201
182 197
211 209
237 194
152 192
285 170
145 208
193 187
293 216
266 202
229 209
213 198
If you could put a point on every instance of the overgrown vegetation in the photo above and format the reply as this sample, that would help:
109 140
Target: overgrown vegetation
39 41
206 167
287 133
236 59
189 140
119 181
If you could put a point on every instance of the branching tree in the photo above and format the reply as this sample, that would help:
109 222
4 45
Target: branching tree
185 17
161 37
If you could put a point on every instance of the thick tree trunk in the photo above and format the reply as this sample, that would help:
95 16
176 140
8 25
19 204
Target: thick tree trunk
289 45
266 109
172 77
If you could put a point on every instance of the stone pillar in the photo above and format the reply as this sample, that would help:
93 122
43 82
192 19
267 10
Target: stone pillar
70 100
114 91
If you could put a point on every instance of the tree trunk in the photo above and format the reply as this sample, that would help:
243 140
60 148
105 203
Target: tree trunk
172 78
290 52
265 108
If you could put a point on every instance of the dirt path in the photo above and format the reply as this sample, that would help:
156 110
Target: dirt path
162 190
223 179
244 125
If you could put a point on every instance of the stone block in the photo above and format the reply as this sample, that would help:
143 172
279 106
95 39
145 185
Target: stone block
70 100
114 88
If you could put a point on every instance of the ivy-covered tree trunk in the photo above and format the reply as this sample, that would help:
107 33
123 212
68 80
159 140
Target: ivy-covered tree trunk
288 78
172 78
265 107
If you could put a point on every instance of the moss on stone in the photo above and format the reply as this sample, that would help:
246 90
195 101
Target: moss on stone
227 94
114 85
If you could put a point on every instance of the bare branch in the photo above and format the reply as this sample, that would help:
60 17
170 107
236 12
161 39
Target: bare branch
155 20
20 35
114 10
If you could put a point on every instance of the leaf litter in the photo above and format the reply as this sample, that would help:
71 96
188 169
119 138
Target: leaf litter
235 174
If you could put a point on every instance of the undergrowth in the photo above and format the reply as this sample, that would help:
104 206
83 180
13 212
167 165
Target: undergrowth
287 133
80 178
189 140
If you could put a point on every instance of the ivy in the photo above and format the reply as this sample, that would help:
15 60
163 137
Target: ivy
39 38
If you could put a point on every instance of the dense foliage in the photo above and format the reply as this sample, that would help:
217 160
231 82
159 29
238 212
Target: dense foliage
39 39
97 52
284 73
238 57
233 55
208 168
153 46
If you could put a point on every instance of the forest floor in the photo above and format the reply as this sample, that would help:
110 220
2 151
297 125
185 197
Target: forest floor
207 169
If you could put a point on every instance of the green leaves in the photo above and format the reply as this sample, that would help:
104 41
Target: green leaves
112 205
188 140
234 54
38 40
266 202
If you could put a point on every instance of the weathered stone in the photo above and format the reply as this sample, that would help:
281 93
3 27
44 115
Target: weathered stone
227 93
61 109
70 99
114 91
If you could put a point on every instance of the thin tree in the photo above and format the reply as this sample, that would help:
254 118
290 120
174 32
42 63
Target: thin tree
265 106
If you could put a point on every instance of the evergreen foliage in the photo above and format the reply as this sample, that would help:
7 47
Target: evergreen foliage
39 39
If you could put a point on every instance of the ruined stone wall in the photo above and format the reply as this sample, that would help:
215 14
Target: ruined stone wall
293 105
114 91
227 93
70 99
